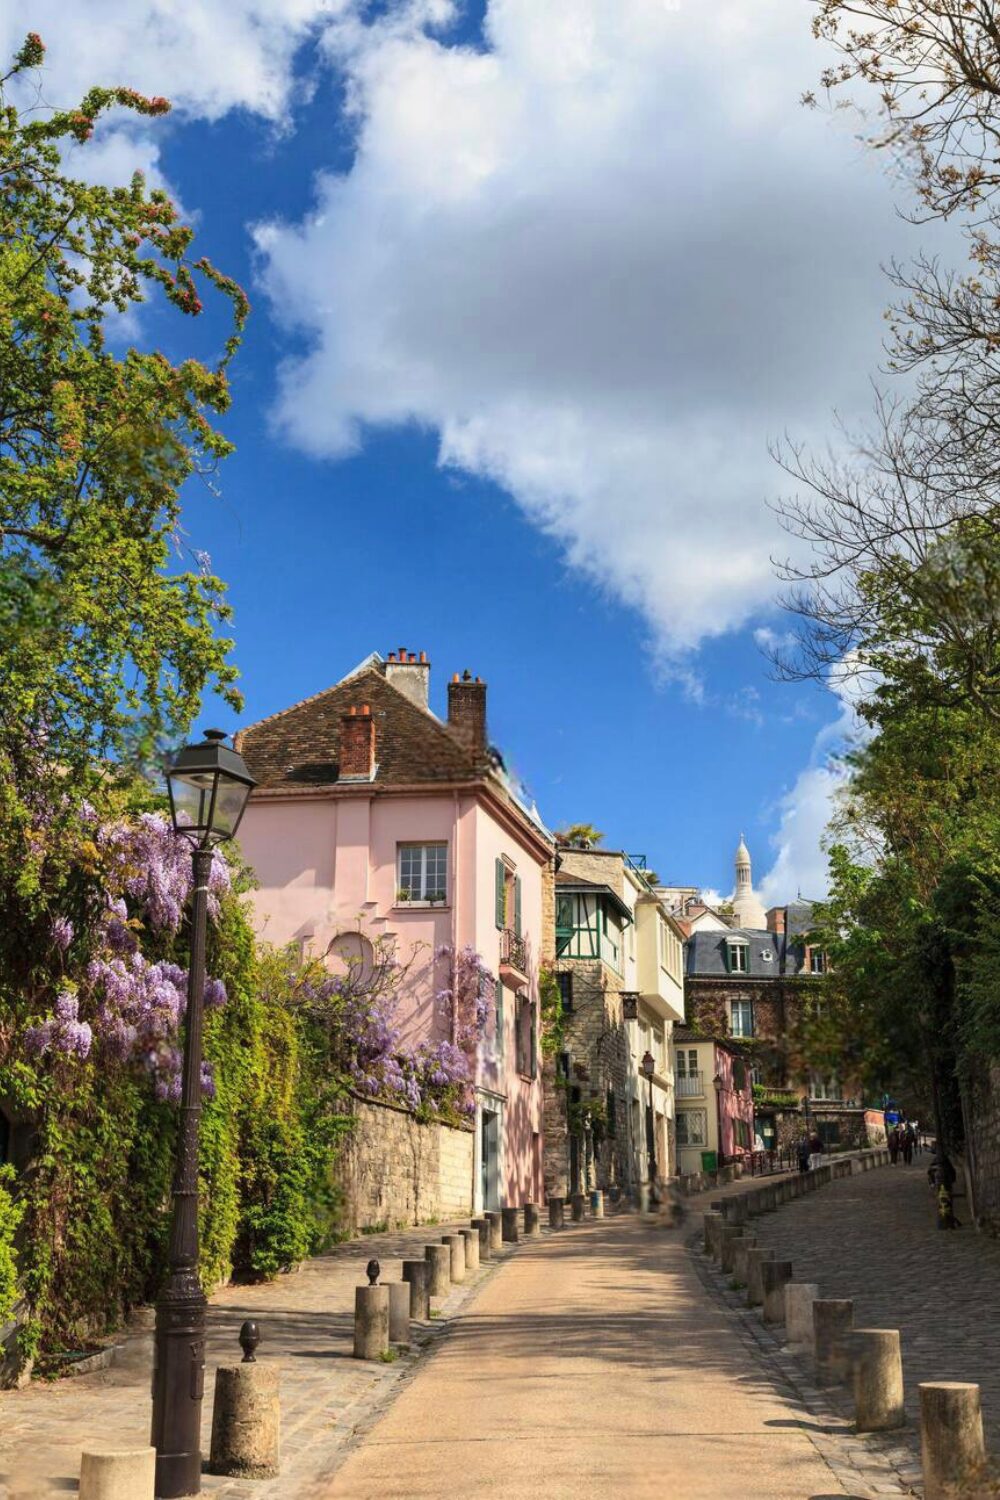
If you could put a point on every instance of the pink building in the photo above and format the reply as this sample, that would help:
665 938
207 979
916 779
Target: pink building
373 817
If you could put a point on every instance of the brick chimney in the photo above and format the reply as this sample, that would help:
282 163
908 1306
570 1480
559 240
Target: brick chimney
357 744
410 675
775 919
467 712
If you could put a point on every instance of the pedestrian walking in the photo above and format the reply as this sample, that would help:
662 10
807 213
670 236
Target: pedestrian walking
804 1154
894 1145
909 1142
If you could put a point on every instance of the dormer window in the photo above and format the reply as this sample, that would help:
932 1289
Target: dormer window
737 955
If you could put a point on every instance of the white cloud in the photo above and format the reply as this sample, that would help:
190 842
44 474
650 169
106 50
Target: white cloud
604 258
800 865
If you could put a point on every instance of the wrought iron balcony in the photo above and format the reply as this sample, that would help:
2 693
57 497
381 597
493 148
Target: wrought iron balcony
690 1085
513 958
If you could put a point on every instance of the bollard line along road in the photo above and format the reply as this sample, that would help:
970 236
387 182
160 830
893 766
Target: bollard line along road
594 1363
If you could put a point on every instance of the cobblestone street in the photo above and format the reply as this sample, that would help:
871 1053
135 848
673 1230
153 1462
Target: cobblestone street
874 1238
306 1321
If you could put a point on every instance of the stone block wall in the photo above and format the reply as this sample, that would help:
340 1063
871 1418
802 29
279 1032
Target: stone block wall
396 1170
981 1100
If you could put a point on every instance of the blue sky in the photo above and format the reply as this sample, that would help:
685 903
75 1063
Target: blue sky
529 303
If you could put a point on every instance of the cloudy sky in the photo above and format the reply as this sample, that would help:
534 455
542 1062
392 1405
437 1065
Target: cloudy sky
535 285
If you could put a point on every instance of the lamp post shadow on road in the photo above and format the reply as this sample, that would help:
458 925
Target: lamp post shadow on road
208 785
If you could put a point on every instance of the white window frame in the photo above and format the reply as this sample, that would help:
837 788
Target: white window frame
744 1031
439 888
741 952
700 1115
817 960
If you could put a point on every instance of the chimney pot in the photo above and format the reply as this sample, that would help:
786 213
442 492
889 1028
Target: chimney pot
423 656
392 656
352 710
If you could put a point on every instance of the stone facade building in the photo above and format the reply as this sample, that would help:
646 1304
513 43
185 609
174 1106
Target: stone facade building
619 967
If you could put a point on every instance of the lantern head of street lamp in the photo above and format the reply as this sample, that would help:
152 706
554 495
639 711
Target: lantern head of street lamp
209 786
718 1083
648 1064
373 1271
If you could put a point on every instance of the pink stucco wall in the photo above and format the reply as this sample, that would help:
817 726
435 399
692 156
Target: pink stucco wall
733 1104
327 865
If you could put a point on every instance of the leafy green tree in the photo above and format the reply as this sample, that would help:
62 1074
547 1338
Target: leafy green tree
584 834
108 640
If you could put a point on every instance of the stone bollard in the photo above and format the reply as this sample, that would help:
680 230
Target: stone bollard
399 1312
495 1218
755 1283
731 1234
471 1238
246 1420
557 1213
951 1436
117 1474
532 1221
713 1233
483 1226
597 1203
578 1207
799 1298
456 1247
833 1319
774 1277
878 1379
438 1259
511 1233
417 1274
371 1321
741 1249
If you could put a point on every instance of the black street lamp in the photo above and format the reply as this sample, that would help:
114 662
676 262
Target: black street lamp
209 785
649 1068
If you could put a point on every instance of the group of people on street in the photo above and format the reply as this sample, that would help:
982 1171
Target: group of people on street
903 1141
810 1146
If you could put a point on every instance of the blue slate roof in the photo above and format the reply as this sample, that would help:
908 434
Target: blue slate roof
706 953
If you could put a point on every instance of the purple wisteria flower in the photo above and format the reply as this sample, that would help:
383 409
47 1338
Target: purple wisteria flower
63 933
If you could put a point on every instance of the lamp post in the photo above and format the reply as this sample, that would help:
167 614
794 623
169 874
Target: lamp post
718 1083
649 1068
208 785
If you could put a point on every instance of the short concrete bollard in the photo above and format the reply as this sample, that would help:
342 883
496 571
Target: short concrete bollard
417 1274
878 1379
496 1228
483 1227
511 1233
741 1249
456 1246
471 1238
713 1233
774 1277
117 1474
557 1213
438 1259
833 1319
951 1436
246 1421
755 1282
597 1203
799 1298
371 1321
399 1312
578 1207
731 1233
532 1221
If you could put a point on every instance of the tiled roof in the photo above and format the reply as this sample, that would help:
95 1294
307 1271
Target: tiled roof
300 747
706 953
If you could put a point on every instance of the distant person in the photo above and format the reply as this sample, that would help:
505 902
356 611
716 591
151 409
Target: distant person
946 1203
894 1145
805 1151
816 1147
909 1142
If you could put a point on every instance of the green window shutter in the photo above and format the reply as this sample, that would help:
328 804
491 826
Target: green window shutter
533 1060
501 875
517 904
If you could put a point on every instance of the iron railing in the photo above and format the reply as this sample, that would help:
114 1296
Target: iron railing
513 950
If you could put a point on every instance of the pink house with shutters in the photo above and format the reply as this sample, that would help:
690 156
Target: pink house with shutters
375 817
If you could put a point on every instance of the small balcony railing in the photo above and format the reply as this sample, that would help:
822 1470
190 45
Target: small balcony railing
689 1085
514 954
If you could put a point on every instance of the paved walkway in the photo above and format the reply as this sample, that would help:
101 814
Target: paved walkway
874 1238
306 1321
597 1363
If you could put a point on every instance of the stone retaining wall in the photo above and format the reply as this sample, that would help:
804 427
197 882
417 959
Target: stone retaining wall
394 1170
